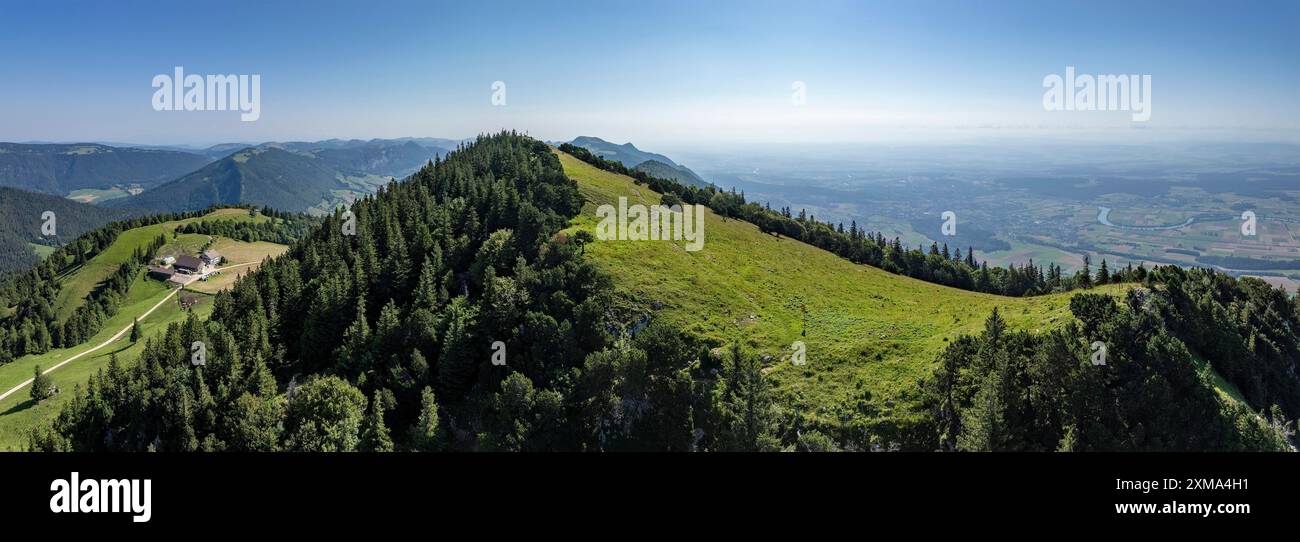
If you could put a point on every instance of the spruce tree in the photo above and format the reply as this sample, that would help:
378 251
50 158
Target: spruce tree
747 407
42 388
374 434
428 435
982 423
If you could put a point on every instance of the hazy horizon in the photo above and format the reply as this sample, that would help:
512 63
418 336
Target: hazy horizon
675 74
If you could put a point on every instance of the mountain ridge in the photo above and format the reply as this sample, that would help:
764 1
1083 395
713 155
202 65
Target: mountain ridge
630 156
61 168
289 176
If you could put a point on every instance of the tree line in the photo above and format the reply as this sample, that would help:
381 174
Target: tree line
383 340
1154 390
31 325
282 228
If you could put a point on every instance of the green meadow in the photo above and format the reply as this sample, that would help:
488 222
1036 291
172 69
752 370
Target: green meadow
78 282
863 328
18 413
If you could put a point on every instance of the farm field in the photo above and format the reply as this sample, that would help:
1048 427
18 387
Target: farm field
97 195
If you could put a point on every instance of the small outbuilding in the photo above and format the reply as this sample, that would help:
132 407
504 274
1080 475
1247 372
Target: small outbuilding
160 273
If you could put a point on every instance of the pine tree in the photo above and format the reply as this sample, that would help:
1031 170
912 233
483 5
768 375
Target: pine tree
1084 277
354 353
994 326
459 359
428 435
982 423
374 434
135 330
42 388
747 408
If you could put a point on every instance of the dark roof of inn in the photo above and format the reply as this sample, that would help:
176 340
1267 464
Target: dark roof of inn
161 270
189 262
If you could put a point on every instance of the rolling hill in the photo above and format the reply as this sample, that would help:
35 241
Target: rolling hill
654 164
866 329
621 345
294 176
63 168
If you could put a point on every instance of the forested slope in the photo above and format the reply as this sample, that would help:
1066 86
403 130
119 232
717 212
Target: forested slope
463 315
21 219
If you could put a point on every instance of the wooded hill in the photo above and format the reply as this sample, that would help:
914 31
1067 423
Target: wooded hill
385 339
22 241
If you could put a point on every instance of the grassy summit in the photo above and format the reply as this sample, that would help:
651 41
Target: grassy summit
865 328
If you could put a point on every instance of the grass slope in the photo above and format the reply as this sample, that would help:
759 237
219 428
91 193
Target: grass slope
18 414
865 327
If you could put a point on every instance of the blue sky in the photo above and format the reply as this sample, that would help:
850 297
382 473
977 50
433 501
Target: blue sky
653 72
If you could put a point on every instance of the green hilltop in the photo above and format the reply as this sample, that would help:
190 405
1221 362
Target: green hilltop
866 329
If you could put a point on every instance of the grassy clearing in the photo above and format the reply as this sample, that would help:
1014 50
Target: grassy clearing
237 252
242 258
185 244
862 326
17 412
1021 253
42 251
142 295
1228 392
80 281
97 195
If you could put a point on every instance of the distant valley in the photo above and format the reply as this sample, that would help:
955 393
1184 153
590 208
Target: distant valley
290 176
1017 203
